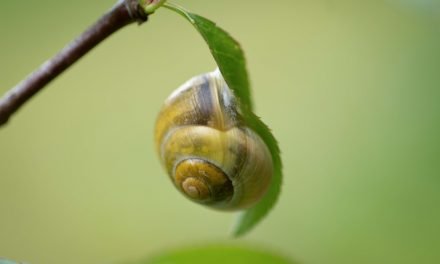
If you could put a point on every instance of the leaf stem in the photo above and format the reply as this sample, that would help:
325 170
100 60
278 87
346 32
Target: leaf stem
151 5
123 13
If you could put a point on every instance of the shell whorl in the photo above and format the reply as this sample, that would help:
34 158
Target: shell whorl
209 153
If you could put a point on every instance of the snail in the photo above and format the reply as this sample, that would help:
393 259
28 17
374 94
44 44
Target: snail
208 151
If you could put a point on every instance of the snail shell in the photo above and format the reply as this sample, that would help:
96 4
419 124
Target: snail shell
210 154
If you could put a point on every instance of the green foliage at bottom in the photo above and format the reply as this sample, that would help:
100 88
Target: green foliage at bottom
5 261
217 254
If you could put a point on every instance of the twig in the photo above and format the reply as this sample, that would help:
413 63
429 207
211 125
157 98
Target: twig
123 13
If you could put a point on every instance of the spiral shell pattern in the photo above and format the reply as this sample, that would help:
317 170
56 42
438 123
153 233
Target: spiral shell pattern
210 154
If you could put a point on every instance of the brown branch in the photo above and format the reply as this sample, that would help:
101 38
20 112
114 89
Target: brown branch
123 13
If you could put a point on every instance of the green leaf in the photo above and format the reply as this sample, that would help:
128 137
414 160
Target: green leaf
232 64
226 52
217 254
250 217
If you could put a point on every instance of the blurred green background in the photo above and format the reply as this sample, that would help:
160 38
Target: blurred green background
350 88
